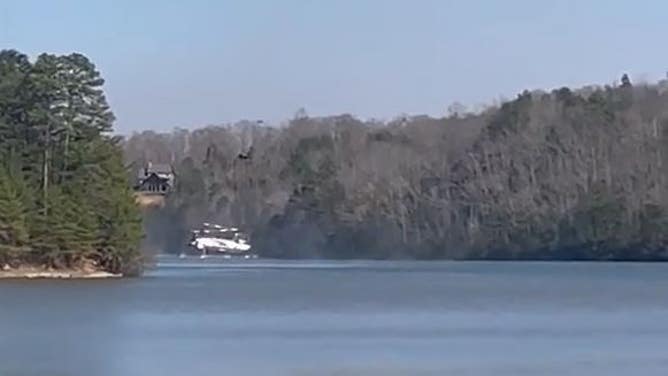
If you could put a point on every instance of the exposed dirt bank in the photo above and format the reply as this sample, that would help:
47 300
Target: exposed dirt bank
32 272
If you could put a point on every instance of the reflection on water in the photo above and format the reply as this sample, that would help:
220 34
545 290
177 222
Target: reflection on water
259 317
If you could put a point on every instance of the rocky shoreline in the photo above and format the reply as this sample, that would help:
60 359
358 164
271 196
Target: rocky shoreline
46 273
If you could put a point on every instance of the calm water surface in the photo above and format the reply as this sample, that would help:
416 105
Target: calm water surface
214 317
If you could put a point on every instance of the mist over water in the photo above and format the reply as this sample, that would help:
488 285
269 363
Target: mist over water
265 317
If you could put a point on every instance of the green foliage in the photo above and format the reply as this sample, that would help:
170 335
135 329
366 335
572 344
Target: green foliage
65 199
653 232
599 220
511 117
66 235
13 218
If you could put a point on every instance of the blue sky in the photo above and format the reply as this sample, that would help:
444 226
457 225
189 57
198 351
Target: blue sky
191 63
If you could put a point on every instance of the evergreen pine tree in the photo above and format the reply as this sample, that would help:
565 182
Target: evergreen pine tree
13 219
54 134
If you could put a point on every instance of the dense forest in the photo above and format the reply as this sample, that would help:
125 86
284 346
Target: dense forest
65 199
566 174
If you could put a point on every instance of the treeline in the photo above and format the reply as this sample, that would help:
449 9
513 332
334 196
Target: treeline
567 174
65 200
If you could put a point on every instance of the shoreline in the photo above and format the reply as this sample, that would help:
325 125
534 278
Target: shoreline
44 273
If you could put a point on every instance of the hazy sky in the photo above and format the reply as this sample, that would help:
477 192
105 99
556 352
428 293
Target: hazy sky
190 63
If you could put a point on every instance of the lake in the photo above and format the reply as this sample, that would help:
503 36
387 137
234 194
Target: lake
220 317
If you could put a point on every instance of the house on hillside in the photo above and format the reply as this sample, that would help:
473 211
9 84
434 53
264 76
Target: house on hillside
155 179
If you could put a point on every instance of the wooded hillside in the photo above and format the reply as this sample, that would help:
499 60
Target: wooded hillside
65 199
567 174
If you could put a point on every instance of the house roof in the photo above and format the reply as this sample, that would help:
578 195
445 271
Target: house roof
160 169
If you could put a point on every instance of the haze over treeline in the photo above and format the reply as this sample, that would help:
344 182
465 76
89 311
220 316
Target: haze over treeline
567 174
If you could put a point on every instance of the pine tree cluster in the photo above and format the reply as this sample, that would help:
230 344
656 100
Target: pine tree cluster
65 199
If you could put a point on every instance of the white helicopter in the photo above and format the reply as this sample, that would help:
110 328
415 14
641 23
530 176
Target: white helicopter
228 241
